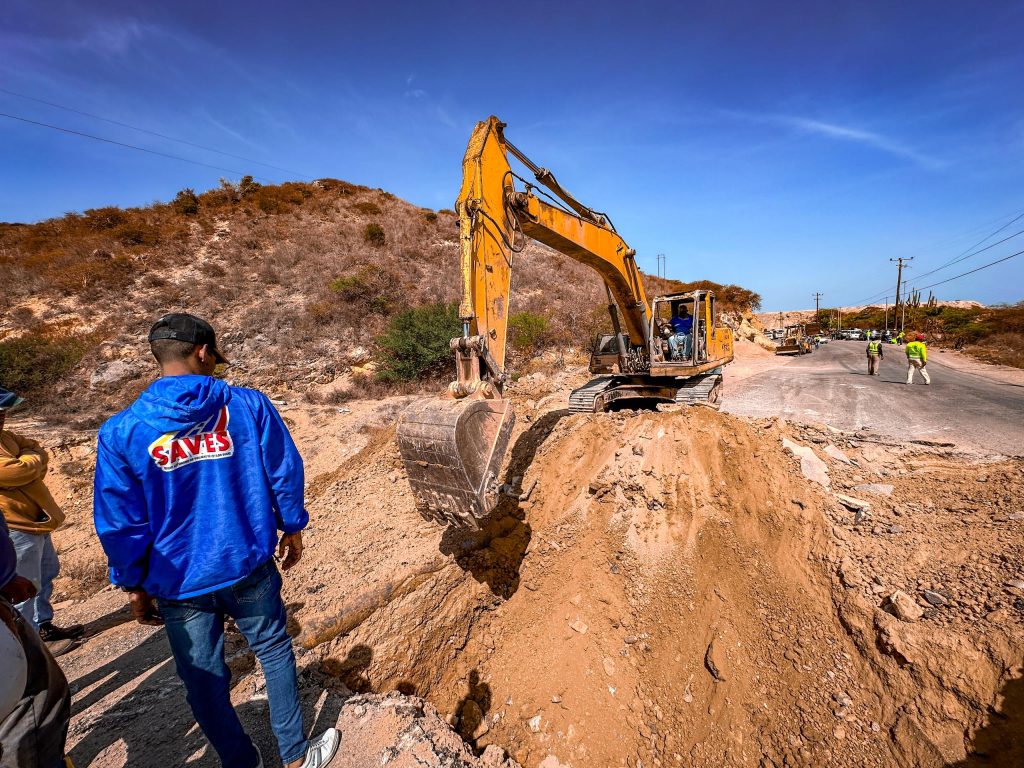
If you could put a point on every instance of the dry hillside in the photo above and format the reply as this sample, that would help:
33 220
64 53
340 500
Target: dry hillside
299 279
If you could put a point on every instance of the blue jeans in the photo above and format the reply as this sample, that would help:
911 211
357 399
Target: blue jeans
677 340
37 562
195 630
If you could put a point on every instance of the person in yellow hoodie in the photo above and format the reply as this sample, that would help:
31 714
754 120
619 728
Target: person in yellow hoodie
917 359
32 515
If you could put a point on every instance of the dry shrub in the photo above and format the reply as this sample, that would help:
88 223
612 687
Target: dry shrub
730 298
367 208
374 235
81 575
1001 349
44 355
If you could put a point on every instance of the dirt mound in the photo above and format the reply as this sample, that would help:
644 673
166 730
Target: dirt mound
672 591
668 590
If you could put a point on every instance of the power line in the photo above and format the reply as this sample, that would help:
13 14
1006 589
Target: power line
129 146
963 257
152 133
977 269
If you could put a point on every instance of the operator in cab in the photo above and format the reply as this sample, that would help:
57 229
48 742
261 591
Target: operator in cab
681 340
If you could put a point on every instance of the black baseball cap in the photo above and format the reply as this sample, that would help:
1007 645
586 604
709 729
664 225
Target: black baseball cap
181 326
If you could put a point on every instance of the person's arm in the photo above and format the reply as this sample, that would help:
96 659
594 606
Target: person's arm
27 467
924 355
283 465
121 517
15 588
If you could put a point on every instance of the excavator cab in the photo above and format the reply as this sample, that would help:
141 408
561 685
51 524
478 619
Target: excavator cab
705 342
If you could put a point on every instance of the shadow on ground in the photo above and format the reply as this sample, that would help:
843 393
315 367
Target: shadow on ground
494 554
153 724
1001 741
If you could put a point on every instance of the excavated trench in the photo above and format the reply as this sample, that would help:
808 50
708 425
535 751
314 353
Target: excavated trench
668 594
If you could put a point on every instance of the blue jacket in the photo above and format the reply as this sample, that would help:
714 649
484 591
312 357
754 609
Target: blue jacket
193 481
8 558
682 324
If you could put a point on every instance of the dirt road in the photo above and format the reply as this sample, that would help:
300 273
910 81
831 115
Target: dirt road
832 386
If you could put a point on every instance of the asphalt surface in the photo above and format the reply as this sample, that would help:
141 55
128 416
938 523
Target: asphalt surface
831 386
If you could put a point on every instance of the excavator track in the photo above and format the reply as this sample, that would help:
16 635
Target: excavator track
706 390
584 399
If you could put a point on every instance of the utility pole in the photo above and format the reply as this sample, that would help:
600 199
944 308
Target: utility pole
661 265
899 277
817 305
903 318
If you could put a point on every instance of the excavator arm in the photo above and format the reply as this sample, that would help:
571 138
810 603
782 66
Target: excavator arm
453 446
495 220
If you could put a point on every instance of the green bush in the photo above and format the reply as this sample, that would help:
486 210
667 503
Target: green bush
528 330
39 358
186 202
429 216
374 235
350 287
416 343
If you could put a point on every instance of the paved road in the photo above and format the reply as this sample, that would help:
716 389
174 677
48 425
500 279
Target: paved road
831 386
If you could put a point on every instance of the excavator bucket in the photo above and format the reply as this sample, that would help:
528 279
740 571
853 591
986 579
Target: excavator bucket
452 451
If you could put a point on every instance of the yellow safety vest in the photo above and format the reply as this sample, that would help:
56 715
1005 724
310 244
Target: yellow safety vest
916 350
874 347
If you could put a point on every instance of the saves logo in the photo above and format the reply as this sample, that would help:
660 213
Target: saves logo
208 440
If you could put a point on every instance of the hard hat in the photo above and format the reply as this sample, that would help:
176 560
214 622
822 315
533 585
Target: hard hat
920 337
13 672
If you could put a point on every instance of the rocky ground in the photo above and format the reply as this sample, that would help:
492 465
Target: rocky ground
676 588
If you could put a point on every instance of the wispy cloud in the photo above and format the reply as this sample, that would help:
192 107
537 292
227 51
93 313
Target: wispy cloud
869 138
844 133
237 136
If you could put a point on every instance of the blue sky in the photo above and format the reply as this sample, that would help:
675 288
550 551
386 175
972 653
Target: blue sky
787 147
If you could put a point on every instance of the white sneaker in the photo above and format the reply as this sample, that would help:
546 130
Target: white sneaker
321 750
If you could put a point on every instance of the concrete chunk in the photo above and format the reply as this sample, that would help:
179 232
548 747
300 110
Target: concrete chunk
811 466
878 489
837 454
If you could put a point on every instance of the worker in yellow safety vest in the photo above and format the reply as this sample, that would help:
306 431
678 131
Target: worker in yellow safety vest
917 359
875 357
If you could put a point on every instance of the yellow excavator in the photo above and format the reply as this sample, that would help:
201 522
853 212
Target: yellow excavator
669 350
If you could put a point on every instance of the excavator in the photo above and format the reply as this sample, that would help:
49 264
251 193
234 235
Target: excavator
666 350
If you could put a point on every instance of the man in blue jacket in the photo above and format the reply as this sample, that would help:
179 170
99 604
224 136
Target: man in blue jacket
193 482
681 341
